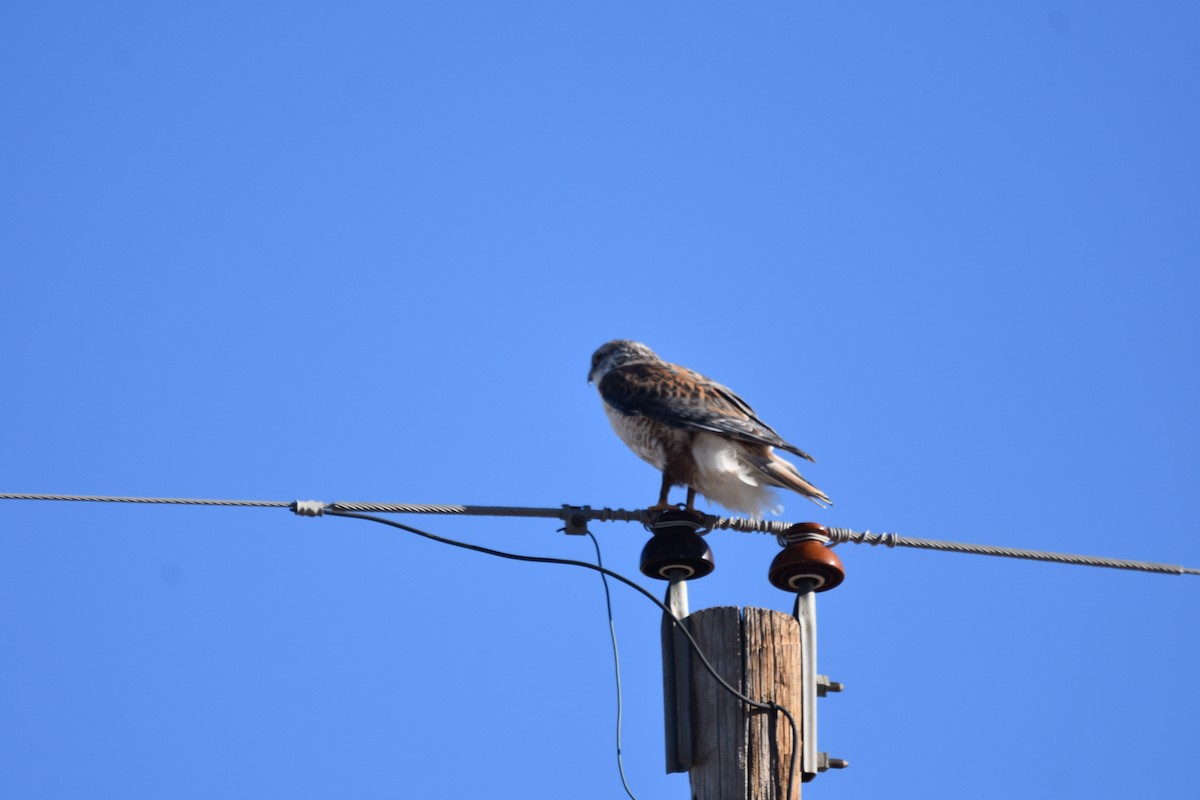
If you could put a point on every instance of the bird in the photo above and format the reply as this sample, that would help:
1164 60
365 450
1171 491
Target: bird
699 433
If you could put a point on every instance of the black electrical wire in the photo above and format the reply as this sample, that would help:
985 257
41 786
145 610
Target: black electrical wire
612 630
769 705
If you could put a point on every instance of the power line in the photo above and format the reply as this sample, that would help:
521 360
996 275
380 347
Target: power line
178 501
839 535
578 516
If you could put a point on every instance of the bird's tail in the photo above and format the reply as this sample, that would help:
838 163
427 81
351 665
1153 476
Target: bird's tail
782 473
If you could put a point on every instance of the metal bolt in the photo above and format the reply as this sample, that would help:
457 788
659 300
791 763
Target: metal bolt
824 762
825 686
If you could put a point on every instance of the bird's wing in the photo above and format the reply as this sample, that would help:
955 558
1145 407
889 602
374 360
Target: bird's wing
681 398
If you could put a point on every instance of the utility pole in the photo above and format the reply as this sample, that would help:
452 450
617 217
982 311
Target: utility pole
732 750
744 752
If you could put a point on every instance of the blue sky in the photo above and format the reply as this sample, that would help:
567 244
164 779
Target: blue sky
365 251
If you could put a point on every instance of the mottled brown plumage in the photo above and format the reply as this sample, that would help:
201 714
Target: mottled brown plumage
698 432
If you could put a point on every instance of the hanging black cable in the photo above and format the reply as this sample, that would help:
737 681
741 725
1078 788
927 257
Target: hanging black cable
612 630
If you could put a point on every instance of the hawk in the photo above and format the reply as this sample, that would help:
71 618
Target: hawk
697 432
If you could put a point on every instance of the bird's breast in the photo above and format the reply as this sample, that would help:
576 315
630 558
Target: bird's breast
649 439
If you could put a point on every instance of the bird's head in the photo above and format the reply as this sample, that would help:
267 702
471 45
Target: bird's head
618 353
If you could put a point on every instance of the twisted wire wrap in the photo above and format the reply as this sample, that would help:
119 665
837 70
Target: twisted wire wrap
839 535
712 522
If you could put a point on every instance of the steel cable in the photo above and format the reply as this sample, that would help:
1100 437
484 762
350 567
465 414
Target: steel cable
580 515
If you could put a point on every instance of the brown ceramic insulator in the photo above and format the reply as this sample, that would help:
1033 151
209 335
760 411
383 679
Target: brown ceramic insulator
678 550
806 560
676 517
806 530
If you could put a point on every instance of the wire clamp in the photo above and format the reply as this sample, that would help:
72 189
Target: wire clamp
576 518
308 508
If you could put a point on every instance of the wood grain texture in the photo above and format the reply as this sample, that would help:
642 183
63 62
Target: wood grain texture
771 640
743 753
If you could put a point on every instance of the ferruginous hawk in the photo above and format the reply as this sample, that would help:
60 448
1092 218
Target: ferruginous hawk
698 432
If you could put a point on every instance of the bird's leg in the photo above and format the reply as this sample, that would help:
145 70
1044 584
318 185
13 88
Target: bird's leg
691 499
662 504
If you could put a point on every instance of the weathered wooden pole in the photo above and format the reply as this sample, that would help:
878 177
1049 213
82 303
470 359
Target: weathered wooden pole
744 753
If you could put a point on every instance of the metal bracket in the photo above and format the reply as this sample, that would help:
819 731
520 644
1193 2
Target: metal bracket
677 677
576 518
812 686
805 613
